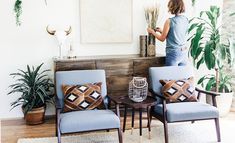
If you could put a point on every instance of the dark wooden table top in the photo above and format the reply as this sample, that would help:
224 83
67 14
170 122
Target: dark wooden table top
125 100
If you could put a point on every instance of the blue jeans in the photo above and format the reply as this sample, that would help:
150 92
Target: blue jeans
176 57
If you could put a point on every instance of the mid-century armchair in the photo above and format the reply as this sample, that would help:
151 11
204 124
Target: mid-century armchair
181 111
87 120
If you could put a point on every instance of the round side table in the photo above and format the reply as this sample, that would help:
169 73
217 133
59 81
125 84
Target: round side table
139 106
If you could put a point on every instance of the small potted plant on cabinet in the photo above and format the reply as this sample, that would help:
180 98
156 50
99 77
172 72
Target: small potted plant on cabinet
207 47
35 89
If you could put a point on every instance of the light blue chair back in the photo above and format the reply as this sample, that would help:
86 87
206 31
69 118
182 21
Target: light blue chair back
168 73
79 77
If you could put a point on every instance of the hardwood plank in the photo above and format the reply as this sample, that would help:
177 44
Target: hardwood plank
14 129
116 67
118 83
141 67
69 65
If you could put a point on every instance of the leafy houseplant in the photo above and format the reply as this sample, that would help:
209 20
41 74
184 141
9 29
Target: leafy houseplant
225 84
35 88
18 11
193 2
207 47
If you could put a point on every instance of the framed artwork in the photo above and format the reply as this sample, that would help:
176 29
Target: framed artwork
106 21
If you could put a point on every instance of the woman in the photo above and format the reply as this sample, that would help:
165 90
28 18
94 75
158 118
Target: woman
175 33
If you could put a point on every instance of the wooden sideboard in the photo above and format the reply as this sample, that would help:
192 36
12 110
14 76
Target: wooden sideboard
119 69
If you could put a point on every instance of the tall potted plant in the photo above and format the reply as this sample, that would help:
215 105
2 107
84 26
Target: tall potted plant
207 48
35 89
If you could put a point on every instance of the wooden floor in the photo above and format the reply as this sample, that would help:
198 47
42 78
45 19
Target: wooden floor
12 130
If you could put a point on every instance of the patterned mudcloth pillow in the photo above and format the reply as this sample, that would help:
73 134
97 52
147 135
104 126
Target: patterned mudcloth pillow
179 90
82 97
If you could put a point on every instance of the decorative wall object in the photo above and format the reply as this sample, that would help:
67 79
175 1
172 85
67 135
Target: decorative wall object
110 25
151 16
143 45
61 36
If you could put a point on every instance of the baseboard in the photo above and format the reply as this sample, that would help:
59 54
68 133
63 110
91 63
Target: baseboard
22 118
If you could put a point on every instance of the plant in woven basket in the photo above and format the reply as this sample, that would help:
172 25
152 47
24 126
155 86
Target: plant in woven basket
35 89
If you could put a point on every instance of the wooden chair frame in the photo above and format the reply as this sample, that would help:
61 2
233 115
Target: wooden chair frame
165 122
58 131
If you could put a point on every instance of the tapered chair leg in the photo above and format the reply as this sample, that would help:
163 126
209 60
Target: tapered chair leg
166 131
120 135
149 121
217 129
132 120
59 137
124 120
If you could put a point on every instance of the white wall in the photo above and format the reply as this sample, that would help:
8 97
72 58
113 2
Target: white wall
30 44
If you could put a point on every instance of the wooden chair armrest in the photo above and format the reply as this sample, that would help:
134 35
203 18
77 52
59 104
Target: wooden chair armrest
58 111
211 93
58 105
157 95
108 106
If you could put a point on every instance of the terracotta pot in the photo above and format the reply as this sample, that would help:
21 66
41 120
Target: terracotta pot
35 116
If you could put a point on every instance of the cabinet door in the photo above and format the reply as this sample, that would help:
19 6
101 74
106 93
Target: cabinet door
118 84
141 66
118 72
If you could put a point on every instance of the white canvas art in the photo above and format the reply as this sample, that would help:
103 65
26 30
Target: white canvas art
106 21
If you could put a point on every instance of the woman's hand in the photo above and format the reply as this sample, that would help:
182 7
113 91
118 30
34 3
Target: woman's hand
158 29
150 30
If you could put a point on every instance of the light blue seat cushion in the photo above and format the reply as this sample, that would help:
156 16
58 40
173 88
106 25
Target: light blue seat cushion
88 120
188 111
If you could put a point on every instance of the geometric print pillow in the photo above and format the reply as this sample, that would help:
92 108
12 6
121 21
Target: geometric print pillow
179 90
82 97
